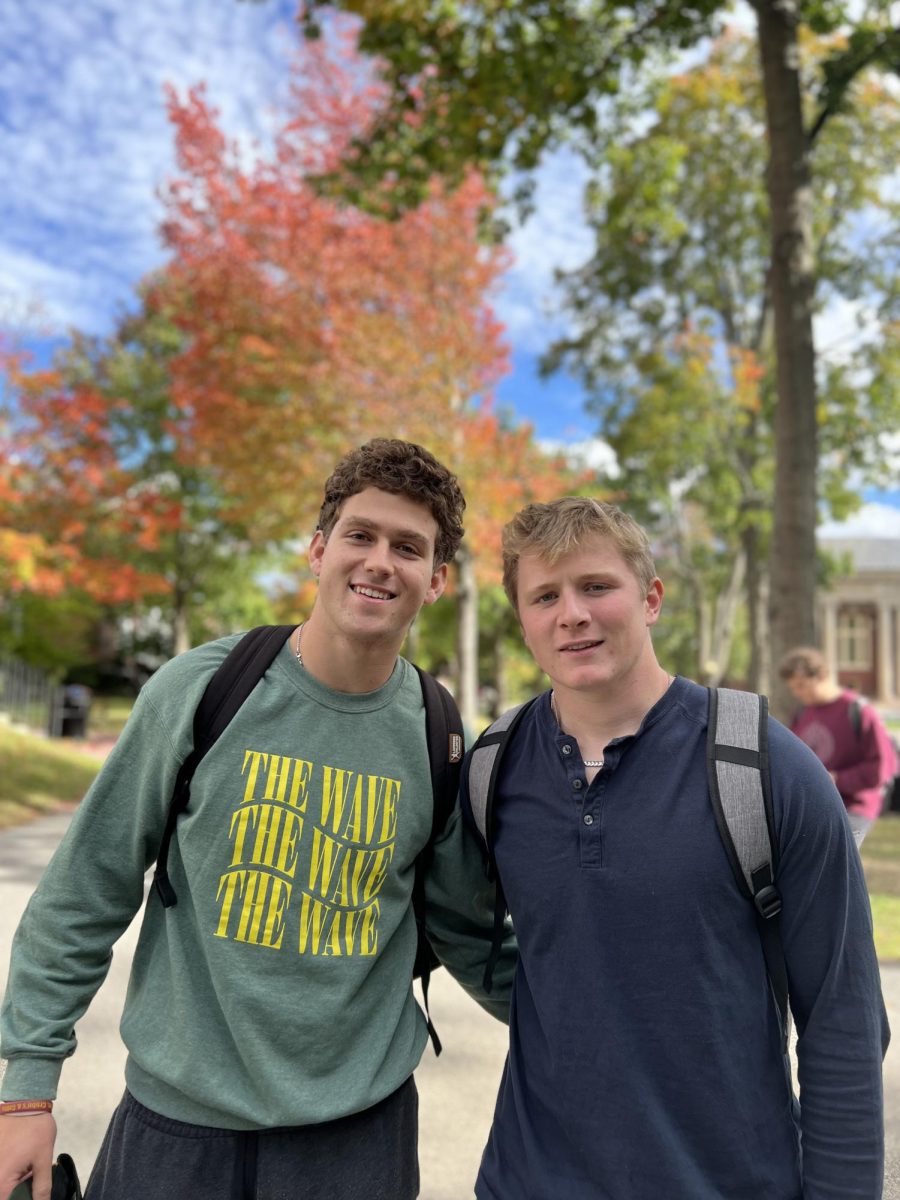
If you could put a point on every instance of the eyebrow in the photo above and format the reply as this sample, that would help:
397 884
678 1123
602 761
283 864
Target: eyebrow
601 576
405 535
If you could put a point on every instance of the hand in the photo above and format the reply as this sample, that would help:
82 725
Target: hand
26 1149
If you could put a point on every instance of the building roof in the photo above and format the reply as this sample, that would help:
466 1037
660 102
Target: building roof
867 554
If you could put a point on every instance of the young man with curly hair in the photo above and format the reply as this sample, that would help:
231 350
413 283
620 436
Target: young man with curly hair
270 1023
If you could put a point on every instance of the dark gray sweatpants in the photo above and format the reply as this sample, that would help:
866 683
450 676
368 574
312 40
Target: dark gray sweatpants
370 1155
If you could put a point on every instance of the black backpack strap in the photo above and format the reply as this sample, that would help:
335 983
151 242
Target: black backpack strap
482 773
854 715
446 746
740 791
229 687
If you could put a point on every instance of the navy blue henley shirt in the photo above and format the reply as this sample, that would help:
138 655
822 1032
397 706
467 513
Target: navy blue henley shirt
645 1053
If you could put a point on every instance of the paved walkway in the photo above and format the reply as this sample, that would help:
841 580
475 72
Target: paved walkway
456 1091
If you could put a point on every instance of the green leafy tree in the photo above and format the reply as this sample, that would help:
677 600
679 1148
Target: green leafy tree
487 82
51 633
672 321
209 559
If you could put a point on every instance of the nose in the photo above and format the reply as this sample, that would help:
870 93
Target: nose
378 560
572 610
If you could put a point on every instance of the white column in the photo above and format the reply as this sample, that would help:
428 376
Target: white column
885 677
829 633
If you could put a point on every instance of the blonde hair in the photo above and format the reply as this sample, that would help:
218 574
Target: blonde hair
558 527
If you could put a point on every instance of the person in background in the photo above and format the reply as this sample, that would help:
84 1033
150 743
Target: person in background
843 731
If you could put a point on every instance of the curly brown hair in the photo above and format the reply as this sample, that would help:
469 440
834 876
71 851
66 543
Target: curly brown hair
404 469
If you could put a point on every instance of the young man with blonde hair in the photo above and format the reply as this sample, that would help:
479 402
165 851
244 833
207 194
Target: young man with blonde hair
646 1055
844 732
270 1022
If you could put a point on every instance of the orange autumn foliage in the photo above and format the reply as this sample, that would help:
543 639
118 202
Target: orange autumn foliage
312 325
502 470
69 509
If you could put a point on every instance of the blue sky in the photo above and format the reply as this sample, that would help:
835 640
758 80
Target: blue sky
85 140
85 143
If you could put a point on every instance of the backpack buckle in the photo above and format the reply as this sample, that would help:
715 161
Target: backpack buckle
768 902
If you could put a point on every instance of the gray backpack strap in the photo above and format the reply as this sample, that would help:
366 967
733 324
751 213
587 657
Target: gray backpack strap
741 795
482 771
483 765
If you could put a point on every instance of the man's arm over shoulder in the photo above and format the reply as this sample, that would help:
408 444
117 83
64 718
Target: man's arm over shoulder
459 916
834 981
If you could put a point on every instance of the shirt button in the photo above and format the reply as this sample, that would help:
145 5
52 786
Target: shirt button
567 749
588 819
576 784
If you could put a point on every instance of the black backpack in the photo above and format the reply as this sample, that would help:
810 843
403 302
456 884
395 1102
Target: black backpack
740 792
227 690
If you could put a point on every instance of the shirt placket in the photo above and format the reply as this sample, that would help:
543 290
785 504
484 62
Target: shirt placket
587 802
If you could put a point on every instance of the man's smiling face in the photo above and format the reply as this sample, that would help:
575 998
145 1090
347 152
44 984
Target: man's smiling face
376 569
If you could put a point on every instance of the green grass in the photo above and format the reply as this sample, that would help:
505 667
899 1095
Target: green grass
882 842
39 776
881 861
886 918
108 715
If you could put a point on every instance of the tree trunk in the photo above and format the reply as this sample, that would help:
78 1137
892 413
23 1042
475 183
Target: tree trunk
501 703
792 284
181 638
181 589
467 600
725 610
703 622
507 627
757 627
413 642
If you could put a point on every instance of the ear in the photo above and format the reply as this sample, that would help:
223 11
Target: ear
653 601
437 585
316 551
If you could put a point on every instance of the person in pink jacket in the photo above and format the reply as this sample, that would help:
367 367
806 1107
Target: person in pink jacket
844 731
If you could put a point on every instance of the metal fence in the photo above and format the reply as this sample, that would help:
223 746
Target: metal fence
29 697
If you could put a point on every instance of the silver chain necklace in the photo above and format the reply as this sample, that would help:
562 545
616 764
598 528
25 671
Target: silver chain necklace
297 654
588 762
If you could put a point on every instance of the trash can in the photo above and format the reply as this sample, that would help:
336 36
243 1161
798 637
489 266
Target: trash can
75 711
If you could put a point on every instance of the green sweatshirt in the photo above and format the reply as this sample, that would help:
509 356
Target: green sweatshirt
278 989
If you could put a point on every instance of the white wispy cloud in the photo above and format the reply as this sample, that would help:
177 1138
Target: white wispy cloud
843 327
86 144
592 453
43 296
871 521
555 237
85 141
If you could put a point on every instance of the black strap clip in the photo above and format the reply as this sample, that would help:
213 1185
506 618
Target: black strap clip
768 902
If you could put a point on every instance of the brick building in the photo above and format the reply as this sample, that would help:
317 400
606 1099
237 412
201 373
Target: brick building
858 619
